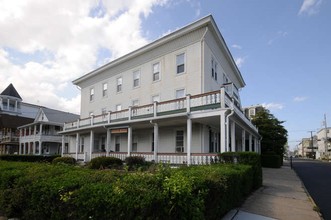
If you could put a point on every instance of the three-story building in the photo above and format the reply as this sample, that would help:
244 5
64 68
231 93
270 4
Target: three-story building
174 100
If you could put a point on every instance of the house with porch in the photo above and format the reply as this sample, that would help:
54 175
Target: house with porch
174 100
41 136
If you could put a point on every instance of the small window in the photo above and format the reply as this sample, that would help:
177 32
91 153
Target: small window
180 63
117 143
118 107
156 71
135 102
212 67
119 84
180 93
156 98
215 71
134 143
104 89
136 78
91 94
180 141
81 145
103 111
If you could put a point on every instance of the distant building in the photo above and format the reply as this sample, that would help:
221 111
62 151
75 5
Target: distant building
41 136
251 111
323 143
13 113
308 147
29 126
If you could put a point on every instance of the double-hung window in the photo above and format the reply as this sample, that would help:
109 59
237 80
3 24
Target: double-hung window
104 89
180 93
119 84
91 94
214 69
156 71
136 78
179 141
180 63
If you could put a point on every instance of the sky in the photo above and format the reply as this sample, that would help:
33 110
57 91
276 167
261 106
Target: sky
282 48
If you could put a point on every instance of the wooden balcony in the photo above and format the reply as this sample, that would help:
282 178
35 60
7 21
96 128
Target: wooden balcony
206 101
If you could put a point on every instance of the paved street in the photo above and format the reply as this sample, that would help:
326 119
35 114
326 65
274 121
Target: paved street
316 176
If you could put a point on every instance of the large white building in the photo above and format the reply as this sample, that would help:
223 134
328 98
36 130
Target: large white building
176 99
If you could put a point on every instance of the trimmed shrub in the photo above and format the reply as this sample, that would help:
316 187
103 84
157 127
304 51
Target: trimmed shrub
64 160
271 160
137 163
105 162
29 158
249 158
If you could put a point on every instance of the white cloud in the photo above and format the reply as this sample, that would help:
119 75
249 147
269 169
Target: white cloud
310 7
239 61
237 46
71 33
299 99
273 106
280 34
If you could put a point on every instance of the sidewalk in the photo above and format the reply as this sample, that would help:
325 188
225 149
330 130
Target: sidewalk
282 196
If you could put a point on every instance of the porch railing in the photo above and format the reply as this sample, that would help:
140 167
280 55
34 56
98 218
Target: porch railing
169 158
205 101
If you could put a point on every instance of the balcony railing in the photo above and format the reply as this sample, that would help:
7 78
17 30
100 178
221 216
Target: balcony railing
205 101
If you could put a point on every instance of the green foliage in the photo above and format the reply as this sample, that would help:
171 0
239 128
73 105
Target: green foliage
64 160
274 135
105 162
271 160
248 158
137 163
47 191
28 158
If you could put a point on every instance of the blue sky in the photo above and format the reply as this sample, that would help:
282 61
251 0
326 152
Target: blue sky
281 47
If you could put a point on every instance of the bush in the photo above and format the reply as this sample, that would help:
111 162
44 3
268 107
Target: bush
105 162
64 160
29 158
45 191
248 158
271 160
137 162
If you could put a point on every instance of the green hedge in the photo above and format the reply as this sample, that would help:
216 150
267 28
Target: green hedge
271 160
29 158
65 160
249 158
105 162
46 191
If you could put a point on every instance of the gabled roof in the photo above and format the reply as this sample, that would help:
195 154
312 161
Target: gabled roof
11 91
207 21
56 116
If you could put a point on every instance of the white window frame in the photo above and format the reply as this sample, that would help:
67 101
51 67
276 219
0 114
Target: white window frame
92 94
119 84
158 73
136 78
179 64
134 103
104 89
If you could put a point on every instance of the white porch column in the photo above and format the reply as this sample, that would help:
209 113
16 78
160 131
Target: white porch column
91 143
223 132
243 140
156 141
77 145
189 140
250 142
29 147
15 105
40 147
41 129
62 146
108 141
233 136
24 148
255 145
129 140
20 143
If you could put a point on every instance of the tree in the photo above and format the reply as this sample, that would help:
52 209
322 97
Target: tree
274 135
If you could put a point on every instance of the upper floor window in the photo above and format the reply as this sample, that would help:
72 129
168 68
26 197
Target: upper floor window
118 107
136 78
180 63
156 98
156 71
104 89
214 69
180 93
135 102
103 111
91 94
119 84
225 78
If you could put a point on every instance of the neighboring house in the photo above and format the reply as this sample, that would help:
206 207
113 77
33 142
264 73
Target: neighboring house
174 100
251 111
13 113
323 143
41 136
308 147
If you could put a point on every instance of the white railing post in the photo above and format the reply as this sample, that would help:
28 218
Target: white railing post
77 123
155 108
222 97
129 116
109 117
92 119
188 103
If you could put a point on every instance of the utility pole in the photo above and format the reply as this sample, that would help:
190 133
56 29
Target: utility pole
312 143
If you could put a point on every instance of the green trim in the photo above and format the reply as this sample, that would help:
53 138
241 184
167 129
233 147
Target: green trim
171 112
142 116
204 107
